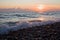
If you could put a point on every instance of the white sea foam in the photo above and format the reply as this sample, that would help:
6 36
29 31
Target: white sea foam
13 26
8 21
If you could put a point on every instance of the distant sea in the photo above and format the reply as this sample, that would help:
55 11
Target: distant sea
14 21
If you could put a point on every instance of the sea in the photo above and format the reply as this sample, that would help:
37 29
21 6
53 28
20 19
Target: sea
15 20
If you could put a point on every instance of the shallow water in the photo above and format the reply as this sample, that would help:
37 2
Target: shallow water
15 21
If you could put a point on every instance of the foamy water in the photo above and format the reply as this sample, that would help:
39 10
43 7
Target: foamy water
16 21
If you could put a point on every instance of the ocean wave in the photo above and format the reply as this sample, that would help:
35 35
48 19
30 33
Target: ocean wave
12 21
5 28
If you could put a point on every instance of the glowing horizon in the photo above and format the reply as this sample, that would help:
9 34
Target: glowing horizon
29 3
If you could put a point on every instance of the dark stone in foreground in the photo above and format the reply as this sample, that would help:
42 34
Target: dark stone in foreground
45 32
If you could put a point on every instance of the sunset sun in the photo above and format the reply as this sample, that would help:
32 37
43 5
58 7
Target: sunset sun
41 7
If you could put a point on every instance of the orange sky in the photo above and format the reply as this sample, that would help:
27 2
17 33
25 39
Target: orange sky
27 3
45 7
34 7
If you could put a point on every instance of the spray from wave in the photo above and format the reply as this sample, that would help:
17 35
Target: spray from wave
16 21
13 26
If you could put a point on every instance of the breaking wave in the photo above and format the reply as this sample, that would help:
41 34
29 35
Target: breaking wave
5 28
15 21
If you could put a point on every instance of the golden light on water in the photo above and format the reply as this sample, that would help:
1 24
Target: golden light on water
41 19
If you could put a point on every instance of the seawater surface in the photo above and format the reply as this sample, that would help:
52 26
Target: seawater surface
15 21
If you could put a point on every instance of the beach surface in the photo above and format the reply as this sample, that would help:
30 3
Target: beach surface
44 32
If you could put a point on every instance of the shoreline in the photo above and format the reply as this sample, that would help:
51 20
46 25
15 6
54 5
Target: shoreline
49 31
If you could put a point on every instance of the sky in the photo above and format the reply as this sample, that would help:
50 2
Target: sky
26 3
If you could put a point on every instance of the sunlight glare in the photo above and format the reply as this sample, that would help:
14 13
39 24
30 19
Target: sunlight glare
40 7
